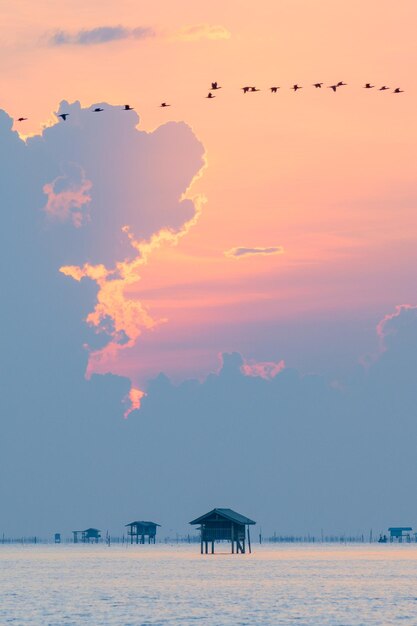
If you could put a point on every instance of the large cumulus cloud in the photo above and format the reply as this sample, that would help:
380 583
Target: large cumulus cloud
137 179
112 193
66 196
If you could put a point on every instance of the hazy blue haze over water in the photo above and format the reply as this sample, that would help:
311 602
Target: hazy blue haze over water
163 584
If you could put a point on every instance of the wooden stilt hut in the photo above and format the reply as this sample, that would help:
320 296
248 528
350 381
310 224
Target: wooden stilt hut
224 525
138 531
400 533
90 535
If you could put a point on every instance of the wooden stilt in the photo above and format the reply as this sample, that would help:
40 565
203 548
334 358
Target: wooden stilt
249 546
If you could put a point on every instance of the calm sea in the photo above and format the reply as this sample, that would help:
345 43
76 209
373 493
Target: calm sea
141 585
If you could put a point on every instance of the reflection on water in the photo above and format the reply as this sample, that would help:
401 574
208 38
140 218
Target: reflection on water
144 585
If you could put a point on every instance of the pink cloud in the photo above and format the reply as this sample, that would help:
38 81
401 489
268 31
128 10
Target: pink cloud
133 399
198 32
68 196
262 369
385 327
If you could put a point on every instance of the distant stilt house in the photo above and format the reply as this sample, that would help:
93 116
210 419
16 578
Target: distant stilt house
400 533
90 535
57 537
137 531
224 525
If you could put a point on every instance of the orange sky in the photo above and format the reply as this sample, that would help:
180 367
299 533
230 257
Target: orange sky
329 177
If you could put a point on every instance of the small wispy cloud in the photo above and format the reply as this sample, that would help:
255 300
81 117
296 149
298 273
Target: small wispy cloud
237 253
99 35
108 34
197 32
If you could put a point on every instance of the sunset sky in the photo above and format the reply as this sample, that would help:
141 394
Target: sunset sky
281 227
325 178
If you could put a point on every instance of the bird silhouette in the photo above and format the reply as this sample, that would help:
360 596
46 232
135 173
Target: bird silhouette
215 86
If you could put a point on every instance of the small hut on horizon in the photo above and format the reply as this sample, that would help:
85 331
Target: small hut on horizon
90 535
224 525
398 533
137 531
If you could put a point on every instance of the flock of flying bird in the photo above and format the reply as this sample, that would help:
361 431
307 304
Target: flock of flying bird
247 89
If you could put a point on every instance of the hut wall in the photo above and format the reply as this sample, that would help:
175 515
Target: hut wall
222 531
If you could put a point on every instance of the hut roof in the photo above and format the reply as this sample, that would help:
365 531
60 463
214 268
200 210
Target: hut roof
141 523
400 528
227 514
91 530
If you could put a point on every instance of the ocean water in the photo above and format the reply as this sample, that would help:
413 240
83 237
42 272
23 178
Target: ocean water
164 584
